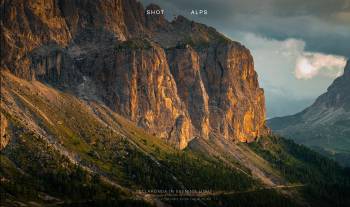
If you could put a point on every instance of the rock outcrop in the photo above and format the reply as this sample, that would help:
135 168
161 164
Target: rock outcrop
178 80
338 94
4 137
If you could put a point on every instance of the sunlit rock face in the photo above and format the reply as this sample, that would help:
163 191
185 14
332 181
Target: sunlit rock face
4 137
178 80
219 87
185 68
141 87
236 103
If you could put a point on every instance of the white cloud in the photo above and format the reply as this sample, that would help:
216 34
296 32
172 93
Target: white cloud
309 65
288 73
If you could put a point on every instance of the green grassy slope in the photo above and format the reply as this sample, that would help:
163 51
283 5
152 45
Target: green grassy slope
63 151
326 183
330 139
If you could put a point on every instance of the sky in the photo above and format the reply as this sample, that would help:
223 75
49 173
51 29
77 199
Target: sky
299 46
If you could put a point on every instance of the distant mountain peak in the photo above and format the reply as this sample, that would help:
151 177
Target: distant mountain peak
326 123
347 68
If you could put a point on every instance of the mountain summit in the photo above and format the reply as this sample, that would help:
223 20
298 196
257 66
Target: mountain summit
104 105
324 125
178 80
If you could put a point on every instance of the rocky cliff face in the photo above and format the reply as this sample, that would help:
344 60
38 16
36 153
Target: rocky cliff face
325 124
178 80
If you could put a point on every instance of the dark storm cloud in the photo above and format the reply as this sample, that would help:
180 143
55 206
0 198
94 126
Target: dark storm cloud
281 34
310 7
275 7
322 24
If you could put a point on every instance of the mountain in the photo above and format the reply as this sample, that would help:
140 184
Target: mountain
184 75
325 125
103 105
60 150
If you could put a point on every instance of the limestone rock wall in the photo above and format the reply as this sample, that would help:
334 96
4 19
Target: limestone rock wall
178 80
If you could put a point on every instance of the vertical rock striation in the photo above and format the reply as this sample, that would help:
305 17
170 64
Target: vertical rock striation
236 101
178 80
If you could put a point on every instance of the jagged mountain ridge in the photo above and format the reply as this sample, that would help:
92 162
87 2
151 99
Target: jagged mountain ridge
324 125
178 80
68 66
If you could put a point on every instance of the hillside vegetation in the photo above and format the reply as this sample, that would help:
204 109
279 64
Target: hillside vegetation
64 151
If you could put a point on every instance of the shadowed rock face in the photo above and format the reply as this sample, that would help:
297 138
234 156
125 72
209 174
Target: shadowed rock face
325 124
178 80
338 94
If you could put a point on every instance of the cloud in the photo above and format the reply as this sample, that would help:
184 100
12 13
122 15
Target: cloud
309 65
322 24
310 7
282 36
291 75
